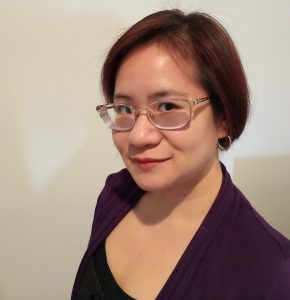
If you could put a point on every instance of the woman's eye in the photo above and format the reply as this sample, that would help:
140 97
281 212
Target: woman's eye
123 109
167 106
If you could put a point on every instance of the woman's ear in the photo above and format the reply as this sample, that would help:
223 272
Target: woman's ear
222 128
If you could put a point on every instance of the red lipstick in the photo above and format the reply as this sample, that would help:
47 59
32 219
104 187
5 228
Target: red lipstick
148 162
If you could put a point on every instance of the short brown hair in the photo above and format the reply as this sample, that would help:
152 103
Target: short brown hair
203 42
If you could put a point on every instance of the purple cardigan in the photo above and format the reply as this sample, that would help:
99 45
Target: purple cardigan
234 255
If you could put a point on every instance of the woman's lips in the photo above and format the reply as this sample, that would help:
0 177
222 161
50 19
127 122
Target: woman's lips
148 163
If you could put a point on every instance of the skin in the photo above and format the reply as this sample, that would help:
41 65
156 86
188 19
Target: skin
181 184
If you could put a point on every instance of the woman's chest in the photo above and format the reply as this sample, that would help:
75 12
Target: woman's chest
142 257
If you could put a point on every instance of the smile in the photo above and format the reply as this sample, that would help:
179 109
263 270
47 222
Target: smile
148 163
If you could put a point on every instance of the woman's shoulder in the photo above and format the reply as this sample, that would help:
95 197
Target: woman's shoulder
119 186
250 254
244 226
118 196
259 231
117 178
266 249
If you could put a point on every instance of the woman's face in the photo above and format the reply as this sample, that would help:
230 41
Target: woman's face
157 159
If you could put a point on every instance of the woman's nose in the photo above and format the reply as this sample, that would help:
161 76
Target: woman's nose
144 133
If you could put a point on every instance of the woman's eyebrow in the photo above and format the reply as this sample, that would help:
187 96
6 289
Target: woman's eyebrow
153 96
122 96
167 93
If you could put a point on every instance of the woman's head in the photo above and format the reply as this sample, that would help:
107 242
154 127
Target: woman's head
200 44
151 81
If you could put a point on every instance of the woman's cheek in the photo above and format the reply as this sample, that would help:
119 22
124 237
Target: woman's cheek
118 140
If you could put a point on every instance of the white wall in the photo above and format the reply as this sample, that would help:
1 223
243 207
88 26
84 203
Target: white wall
55 153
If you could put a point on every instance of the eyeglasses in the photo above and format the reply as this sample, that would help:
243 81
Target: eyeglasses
165 114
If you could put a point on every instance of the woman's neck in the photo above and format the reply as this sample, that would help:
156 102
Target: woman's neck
183 203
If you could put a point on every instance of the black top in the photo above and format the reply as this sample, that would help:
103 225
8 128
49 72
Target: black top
98 282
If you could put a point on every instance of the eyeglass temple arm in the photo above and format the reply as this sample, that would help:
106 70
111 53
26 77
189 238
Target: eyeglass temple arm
99 107
200 100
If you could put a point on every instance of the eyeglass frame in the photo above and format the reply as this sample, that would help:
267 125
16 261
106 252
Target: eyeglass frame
192 102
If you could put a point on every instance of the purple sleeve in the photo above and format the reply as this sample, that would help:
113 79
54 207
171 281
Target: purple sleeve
281 287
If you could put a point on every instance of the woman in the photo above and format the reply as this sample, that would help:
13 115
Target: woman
172 225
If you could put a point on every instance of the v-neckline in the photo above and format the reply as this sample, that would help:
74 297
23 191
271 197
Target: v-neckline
197 245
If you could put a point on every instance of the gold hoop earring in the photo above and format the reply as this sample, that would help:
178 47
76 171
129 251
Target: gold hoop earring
225 143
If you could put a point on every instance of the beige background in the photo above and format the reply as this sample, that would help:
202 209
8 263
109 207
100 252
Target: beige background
55 154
